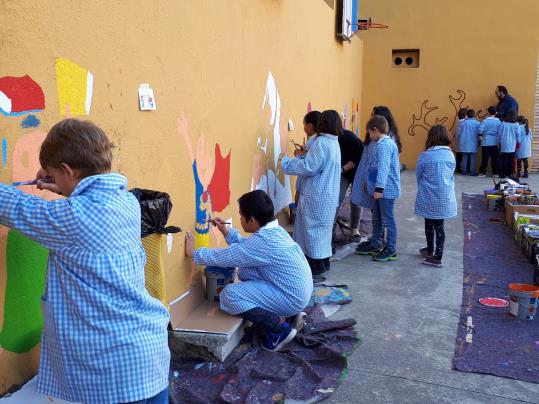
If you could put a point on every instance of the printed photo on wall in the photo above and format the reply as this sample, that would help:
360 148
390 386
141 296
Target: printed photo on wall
146 98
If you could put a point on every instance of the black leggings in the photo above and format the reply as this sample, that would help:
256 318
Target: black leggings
506 164
521 162
318 266
435 226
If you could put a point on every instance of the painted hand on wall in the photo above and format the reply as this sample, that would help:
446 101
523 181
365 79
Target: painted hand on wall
212 181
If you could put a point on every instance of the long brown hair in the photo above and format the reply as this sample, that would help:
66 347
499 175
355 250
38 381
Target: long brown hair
378 122
438 136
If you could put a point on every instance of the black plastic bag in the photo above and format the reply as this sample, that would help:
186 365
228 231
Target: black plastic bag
155 209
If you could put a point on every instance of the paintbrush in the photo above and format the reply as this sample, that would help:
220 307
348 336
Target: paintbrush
213 220
47 180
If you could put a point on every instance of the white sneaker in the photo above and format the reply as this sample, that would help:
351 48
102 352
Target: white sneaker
299 321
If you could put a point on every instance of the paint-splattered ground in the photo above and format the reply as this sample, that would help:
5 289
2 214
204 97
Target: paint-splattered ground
310 370
502 345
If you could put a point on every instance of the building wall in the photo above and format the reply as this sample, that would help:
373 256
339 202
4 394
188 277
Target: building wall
227 77
467 48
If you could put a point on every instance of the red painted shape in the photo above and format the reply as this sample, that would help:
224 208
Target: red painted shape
309 107
493 302
219 186
25 94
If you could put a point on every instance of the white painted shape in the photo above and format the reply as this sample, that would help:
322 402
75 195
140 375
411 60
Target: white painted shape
28 395
469 332
180 298
347 19
89 91
169 243
5 103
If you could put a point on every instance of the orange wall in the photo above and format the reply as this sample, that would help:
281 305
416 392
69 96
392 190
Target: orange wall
471 46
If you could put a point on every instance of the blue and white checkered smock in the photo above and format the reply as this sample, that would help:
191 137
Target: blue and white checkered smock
319 196
105 337
508 137
525 140
467 135
387 168
435 184
360 195
489 129
299 178
273 271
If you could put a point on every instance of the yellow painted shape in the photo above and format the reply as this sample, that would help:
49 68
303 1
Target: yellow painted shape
71 80
202 240
155 268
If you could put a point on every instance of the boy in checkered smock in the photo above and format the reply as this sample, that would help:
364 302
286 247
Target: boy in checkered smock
383 183
321 171
468 142
105 338
275 277
435 199
507 138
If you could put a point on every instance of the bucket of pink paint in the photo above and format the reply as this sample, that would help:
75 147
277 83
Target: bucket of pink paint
523 301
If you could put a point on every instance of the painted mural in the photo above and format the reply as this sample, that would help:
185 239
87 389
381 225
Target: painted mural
75 87
423 122
20 95
267 175
211 174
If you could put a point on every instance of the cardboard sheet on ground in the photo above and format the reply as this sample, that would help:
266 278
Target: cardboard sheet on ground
28 395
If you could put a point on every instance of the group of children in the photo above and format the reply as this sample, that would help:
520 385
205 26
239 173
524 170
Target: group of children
105 337
502 139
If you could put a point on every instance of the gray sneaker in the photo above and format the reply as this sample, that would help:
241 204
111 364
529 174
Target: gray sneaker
433 262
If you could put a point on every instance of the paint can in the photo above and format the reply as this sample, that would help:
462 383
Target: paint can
216 280
523 300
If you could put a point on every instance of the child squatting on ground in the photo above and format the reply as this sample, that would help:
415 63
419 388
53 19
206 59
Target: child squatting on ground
435 199
275 277
383 183
105 338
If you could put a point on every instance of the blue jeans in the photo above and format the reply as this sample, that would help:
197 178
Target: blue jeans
465 157
161 398
384 218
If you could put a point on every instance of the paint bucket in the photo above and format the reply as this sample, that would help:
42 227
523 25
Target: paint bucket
216 280
523 300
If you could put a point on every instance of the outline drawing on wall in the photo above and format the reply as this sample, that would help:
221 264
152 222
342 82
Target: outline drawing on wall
75 87
212 181
20 95
422 122
267 175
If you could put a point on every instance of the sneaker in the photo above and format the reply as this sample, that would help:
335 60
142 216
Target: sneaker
525 175
424 252
366 248
299 321
433 262
274 342
385 256
481 175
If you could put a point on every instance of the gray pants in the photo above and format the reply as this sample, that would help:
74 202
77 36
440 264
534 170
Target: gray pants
355 211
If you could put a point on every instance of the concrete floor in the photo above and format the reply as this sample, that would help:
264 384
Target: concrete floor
406 314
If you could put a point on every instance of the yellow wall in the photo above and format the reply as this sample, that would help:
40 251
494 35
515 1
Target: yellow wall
208 58
471 46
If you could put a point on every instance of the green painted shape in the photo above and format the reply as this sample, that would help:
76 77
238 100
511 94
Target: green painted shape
26 268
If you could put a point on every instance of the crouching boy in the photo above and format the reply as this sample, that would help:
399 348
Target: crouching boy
104 337
275 277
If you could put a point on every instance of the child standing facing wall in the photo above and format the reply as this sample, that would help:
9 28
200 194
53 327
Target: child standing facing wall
321 171
507 138
468 141
435 199
383 183
525 149
488 130
105 338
